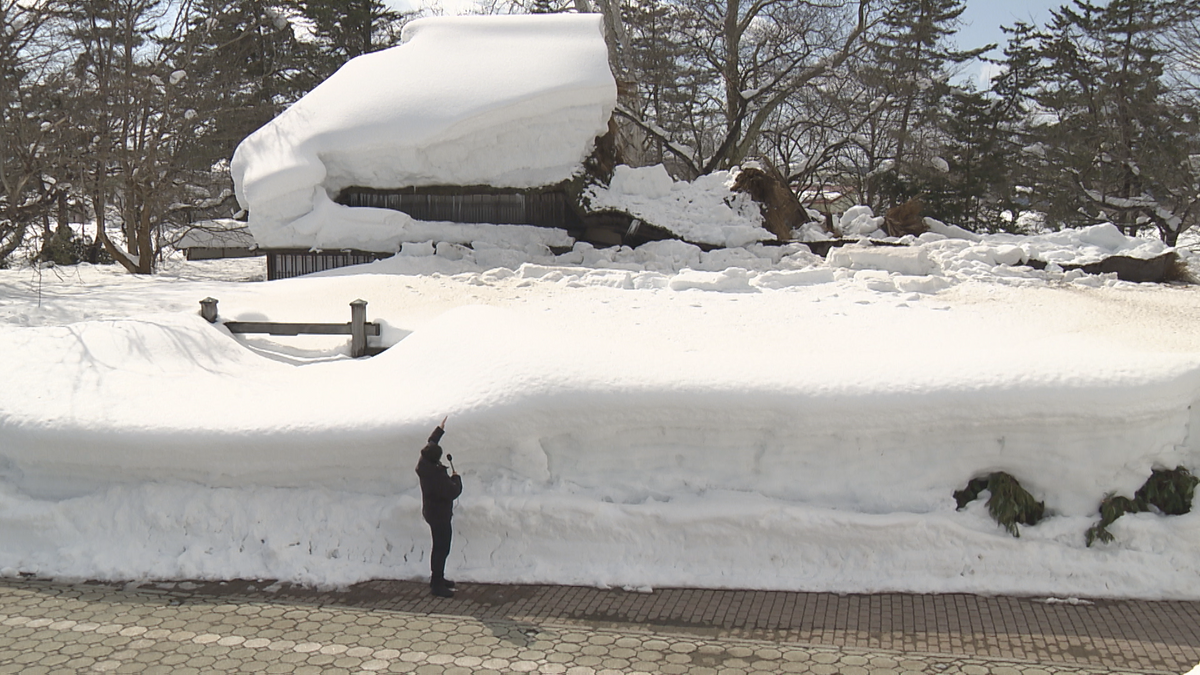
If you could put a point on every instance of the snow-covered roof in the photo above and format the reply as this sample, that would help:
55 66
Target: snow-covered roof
505 101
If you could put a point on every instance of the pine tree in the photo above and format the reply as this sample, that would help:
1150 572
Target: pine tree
1116 143
159 93
244 66
910 65
666 84
344 29
109 85
978 190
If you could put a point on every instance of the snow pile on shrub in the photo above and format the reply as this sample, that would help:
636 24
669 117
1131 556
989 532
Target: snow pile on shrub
506 101
860 221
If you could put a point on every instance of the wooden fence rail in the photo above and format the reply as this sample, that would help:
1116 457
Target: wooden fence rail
358 328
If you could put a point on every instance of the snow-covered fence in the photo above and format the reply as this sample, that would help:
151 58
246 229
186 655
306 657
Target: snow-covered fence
358 328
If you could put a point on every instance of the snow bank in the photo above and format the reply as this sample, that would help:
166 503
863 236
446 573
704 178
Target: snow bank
1080 246
899 260
796 426
704 211
506 101
752 417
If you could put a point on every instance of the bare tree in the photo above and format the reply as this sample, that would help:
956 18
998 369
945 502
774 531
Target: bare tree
749 58
27 119
145 95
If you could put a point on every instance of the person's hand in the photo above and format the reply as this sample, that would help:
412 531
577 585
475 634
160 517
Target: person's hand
443 424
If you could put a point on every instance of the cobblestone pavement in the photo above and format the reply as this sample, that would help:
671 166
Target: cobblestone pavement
48 627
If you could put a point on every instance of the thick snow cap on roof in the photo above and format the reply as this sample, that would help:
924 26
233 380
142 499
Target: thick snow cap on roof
505 101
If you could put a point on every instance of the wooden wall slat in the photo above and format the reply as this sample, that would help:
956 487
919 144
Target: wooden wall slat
546 209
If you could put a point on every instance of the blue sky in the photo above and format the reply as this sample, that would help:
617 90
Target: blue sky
982 20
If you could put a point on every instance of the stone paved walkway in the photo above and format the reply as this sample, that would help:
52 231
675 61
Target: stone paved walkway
48 627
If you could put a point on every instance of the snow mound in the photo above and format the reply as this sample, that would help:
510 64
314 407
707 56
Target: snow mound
652 182
860 221
703 211
506 101
912 261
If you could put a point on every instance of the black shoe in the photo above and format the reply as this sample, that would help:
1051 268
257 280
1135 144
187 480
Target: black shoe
441 591
448 584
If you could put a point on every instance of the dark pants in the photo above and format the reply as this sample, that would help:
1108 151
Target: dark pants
442 534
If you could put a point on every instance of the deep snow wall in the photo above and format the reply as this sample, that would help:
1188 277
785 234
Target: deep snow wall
610 436
530 413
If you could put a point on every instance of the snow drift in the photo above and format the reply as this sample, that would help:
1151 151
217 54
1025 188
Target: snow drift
504 101
638 418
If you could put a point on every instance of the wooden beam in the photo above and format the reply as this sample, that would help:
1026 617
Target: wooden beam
274 328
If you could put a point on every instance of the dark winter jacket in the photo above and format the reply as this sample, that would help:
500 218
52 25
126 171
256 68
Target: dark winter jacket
438 488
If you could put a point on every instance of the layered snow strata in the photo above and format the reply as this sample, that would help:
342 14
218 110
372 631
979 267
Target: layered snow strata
503 101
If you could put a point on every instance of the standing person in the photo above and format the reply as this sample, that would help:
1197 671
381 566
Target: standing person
439 489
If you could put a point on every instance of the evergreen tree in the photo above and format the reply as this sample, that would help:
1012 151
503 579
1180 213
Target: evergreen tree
343 29
157 94
977 191
244 66
107 87
666 85
1114 143
909 66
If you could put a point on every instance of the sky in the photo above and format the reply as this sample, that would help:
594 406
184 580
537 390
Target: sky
982 20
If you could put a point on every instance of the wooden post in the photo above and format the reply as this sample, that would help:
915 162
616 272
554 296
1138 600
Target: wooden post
208 309
358 328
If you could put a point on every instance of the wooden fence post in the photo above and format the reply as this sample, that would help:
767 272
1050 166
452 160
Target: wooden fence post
358 328
208 309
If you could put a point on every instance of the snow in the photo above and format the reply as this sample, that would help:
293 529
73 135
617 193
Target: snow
912 261
505 101
753 417
859 221
703 211
334 226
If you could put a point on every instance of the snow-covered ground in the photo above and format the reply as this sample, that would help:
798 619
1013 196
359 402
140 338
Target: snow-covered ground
754 418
